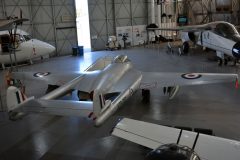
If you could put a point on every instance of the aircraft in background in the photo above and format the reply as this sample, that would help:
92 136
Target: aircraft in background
25 47
220 36
171 143
102 88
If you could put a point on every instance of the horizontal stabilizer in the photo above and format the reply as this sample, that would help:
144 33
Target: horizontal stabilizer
56 107
153 136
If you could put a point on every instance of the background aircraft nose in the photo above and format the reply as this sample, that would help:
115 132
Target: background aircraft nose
236 50
43 48
51 48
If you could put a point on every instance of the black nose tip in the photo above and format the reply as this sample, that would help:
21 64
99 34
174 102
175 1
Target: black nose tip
236 50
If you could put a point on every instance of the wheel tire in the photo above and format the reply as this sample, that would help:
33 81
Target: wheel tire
220 62
185 47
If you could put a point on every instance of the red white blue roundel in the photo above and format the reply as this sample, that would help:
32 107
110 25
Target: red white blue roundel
41 74
191 76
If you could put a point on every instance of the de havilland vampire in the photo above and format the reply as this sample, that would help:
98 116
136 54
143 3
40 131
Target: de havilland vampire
220 36
105 86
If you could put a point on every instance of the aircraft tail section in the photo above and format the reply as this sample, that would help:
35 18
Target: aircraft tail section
15 98
18 105
99 103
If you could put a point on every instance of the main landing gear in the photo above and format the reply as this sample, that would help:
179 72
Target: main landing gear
222 61
225 61
171 91
185 47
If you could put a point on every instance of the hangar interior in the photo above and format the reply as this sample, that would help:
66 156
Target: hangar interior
43 136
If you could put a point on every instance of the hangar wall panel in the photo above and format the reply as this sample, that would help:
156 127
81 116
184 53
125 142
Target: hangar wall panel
106 15
52 21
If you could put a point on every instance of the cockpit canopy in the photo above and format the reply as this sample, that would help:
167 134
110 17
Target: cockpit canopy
172 152
121 59
225 29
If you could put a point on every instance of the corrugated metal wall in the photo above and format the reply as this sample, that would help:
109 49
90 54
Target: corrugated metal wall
106 15
52 21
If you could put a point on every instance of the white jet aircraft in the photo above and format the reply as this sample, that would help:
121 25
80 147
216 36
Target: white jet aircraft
107 84
220 36
26 48
176 144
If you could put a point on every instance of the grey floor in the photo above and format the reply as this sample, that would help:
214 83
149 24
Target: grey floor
46 137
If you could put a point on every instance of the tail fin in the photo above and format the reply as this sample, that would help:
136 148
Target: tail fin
14 97
99 103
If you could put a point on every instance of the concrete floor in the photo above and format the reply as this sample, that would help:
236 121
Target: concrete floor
47 137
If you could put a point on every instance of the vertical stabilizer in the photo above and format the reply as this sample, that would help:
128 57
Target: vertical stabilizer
99 103
14 97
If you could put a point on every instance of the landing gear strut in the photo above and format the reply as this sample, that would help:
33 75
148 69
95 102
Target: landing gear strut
185 47
225 62
220 62
171 91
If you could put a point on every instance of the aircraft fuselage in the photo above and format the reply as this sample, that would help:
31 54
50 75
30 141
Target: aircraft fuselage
220 36
125 82
25 47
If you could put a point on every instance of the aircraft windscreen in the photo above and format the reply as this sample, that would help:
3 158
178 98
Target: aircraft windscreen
226 30
172 151
27 37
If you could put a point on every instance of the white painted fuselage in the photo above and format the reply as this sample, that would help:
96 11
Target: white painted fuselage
26 48
219 36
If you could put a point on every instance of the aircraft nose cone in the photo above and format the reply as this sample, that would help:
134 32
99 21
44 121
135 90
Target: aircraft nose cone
51 48
43 48
236 50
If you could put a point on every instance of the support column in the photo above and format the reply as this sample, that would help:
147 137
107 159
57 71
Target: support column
31 17
54 25
159 15
3 8
152 11
131 14
107 19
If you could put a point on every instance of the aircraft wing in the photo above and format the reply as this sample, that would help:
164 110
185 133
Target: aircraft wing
160 79
60 78
194 28
152 136
55 107
6 24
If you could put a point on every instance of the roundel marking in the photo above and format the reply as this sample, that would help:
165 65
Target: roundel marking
191 76
41 74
